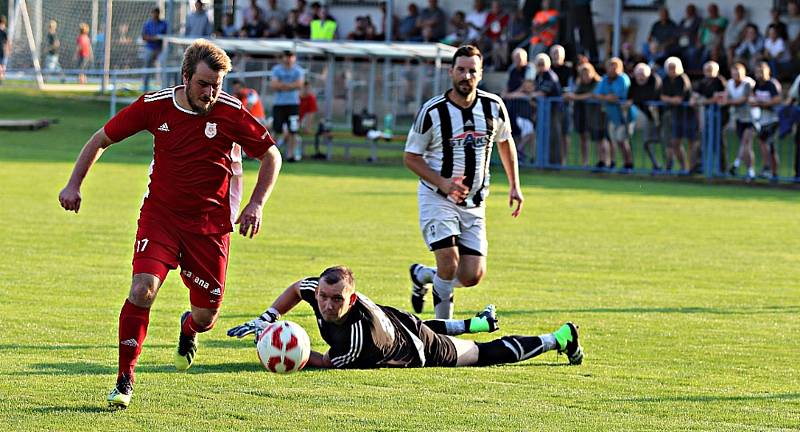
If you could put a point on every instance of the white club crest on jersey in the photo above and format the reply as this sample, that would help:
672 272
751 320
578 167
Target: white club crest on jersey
164 127
211 130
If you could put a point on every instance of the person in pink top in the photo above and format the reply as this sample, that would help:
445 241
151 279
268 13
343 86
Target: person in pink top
83 51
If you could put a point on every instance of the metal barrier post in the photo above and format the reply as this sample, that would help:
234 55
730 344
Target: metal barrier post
113 93
542 132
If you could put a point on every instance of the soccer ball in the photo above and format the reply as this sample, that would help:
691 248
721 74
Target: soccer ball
283 347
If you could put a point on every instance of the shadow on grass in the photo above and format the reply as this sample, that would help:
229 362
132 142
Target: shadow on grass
790 309
84 409
713 398
86 368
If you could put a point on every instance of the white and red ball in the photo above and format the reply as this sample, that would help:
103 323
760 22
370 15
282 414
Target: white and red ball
283 347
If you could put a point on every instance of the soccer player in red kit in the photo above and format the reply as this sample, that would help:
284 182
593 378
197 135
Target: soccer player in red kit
191 203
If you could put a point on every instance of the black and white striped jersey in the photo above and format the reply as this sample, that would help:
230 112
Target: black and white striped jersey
372 336
457 141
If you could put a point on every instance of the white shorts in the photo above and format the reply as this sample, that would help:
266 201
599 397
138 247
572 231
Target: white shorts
440 218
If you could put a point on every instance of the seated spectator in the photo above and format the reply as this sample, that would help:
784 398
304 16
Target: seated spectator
764 112
613 90
676 91
433 22
735 31
324 27
395 24
664 34
519 71
293 29
253 14
629 57
713 29
229 28
459 30
717 55
750 49
710 91
304 18
792 20
197 23
493 40
588 118
689 28
544 29
546 85
409 27
360 30
776 22
737 94
645 94
776 52
476 22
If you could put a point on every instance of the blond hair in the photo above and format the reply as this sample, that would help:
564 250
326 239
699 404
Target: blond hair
202 50
674 61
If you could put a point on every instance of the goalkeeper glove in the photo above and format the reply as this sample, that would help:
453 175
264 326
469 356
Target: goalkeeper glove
256 325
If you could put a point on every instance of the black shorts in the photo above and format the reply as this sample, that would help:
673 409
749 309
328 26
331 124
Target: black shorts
741 127
288 115
768 132
439 350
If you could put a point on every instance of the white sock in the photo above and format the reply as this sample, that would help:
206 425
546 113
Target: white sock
548 342
737 162
751 172
425 274
444 290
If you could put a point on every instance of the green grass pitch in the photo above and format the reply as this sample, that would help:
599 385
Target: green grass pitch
688 298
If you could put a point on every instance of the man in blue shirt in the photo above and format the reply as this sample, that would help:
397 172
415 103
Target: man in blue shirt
152 30
286 81
613 89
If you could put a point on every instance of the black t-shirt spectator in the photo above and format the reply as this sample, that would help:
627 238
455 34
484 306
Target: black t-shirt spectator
564 73
648 92
516 76
52 40
678 86
664 32
547 83
3 40
707 87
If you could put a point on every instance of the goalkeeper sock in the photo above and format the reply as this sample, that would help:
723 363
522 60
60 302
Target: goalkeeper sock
133 322
425 274
443 297
512 349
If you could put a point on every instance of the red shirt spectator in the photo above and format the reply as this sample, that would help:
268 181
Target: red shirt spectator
496 22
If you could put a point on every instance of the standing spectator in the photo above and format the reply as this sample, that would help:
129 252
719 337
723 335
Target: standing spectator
582 13
494 40
779 25
255 27
587 115
253 14
520 105
292 29
711 91
793 20
275 19
519 71
792 100
304 18
738 92
713 29
229 28
519 30
52 48
308 118
409 26
546 86
287 80
152 30
645 93
613 89
476 20
750 48
565 76
663 34
433 22
676 91
324 27
689 28
197 23
545 28
83 51
735 31
766 96
395 23
3 47
250 99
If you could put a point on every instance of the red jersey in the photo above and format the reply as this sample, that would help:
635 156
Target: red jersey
84 46
495 25
250 98
308 105
190 176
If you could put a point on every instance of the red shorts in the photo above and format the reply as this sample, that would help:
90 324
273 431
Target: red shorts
203 258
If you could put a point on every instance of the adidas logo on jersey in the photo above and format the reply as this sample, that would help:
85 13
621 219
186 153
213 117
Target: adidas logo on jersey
468 123
216 291
130 342
164 127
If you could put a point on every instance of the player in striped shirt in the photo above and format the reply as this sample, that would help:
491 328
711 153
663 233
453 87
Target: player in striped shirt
449 147
365 335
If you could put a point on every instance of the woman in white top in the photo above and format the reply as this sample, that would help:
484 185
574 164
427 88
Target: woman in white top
738 91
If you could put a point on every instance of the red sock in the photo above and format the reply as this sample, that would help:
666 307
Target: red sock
133 321
188 328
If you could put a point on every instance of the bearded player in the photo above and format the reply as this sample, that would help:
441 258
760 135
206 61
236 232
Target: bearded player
192 199
449 147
